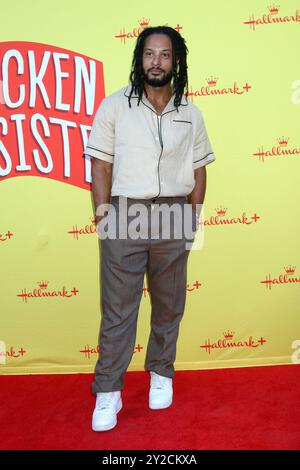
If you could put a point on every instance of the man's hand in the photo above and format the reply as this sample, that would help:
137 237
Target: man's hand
196 198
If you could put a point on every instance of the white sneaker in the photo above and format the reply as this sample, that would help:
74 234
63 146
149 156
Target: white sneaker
108 404
161 392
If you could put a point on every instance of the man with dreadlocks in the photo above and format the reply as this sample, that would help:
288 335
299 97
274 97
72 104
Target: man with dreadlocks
149 146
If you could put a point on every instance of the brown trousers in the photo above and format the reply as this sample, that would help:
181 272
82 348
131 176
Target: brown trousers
123 265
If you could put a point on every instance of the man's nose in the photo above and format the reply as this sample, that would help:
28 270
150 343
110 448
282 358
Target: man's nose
156 59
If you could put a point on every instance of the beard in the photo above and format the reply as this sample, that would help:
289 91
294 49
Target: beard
158 82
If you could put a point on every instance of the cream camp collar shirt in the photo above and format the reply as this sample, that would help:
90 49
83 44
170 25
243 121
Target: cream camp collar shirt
152 155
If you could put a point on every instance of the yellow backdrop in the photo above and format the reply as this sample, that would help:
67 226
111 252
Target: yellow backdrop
243 285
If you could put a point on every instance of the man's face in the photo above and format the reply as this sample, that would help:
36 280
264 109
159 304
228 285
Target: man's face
157 60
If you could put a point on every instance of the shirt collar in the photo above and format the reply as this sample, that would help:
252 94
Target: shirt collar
169 107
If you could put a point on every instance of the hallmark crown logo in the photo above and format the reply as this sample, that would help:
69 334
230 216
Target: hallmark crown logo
43 284
228 334
221 211
283 141
212 81
144 23
274 9
290 269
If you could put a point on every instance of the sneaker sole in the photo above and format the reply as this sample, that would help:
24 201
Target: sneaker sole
108 427
160 406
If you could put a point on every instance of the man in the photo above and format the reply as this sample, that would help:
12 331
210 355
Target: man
149 146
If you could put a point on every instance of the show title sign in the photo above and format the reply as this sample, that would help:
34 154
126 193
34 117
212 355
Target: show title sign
48 98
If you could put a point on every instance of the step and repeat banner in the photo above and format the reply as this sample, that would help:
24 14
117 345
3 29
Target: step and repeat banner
58 60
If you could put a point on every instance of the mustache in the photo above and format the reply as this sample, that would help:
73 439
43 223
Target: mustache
154 69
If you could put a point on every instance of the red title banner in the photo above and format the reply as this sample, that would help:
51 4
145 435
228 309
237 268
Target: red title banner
48 97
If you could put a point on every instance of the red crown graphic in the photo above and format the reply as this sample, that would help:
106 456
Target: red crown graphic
43 284
274 9
283 141
144 23
290 269
228 334
221 211
212 81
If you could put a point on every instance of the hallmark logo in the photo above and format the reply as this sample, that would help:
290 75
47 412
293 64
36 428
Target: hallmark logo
286 278
87 230
272 17
89 352
11 352
226 342
138 348
211 88
194 286
136 31
222 219
189 288
6 236
42 292
278 150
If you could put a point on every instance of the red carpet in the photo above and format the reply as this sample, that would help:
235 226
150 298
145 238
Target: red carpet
243 408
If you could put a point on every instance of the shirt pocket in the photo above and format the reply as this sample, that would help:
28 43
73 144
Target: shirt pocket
182 134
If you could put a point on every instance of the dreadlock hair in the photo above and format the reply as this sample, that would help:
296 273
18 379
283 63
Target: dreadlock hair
179 68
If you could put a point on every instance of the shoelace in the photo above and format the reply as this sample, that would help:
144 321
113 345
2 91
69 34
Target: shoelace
159 383
104 402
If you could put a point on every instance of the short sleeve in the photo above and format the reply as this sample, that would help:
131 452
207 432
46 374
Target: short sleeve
203 152
101 141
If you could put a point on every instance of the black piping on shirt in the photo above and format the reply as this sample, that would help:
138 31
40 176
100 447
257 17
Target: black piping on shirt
159 118
136 96
162 149
177 120
211 153
97 150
